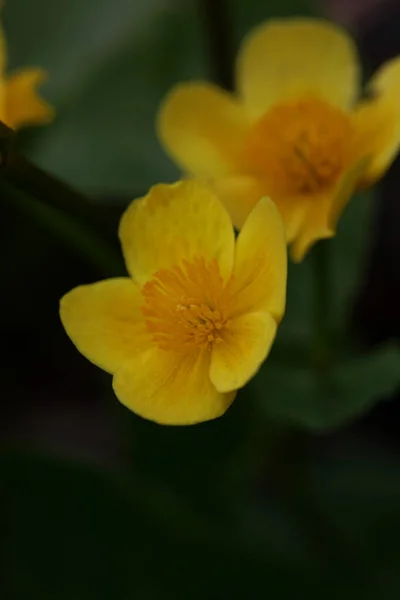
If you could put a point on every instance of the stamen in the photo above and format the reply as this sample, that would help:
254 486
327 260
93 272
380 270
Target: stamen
300 147
186 305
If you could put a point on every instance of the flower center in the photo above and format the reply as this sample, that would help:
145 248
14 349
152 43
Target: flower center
185 306
299 147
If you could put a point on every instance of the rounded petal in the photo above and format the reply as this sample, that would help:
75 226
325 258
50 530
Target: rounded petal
260 270
105 322
244 348
287 58
170 389
23 105
377 121
239 194
175 222
202 127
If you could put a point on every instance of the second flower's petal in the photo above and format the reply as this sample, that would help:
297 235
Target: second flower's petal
259 274
244 347
171 389
105 322
322 212
173 223
289 58
314 226
239 194
346 188
202 127
377 121
23 105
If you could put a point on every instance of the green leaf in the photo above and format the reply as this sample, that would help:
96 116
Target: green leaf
252 12
109 65
348 255
296 393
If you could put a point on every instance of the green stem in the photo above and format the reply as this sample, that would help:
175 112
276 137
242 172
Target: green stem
30 179
77 236
322 303
71 216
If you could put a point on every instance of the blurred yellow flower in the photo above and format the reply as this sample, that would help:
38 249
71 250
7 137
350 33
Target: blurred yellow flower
20 104
294 131
199 313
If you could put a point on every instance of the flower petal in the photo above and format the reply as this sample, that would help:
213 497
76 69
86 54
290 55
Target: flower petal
314 226
346 188
105 322
202 127
244 348
259 273
287 58
377 121
172 223
239 194
322 212
170 389
23 105
292 210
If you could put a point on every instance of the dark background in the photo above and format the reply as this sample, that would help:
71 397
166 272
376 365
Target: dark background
97 503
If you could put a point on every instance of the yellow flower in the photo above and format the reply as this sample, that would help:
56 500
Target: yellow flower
199 313
20 104
293 132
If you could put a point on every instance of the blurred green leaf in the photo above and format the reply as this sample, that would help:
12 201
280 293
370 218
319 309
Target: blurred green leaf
110 64
347 253
288 385
74 532
250 13
298 394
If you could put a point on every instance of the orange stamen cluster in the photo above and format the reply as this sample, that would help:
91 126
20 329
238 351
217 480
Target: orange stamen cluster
300 147
185 306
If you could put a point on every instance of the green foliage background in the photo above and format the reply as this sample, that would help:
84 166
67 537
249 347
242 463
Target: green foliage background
259 503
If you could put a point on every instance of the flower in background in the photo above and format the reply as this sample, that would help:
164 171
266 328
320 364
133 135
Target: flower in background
296 130
20 104
199 313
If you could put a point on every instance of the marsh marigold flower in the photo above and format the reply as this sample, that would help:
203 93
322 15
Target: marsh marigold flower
199 312
296 130
20 104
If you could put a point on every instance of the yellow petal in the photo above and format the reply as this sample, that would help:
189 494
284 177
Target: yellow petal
239 194
105 322
292 211
172 223
260 268
322 212
377 121
23 105
202 127
346 188
314 226
244 348
283 59
170 389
